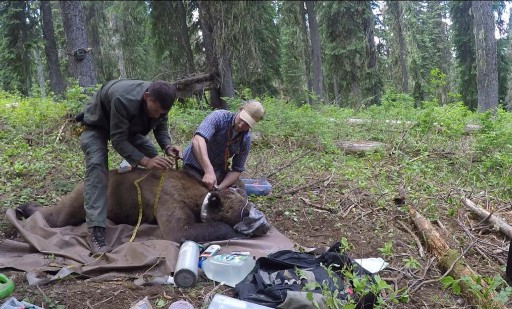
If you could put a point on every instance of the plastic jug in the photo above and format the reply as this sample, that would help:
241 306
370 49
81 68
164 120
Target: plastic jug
225 302
228 268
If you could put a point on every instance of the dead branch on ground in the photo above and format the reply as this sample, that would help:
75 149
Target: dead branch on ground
448 259
493 219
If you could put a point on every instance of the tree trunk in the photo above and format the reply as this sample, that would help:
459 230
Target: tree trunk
315 50
306 44
73 20
486 54
118 49
184 37
373 86
212 63
396 13
448 257
94 19
40 74
336 90
227 88
57 84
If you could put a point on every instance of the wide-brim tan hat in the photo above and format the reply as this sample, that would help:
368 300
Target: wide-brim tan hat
252 112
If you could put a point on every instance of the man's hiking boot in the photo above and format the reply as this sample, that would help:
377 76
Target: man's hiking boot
96 240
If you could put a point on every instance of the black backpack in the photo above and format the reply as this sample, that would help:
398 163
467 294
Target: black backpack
292 280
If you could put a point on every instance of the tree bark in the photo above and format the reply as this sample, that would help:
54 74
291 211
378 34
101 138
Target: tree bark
73 20
336 90
57 84
94 17
448 257
118 49
486 54
396 12
40 74
495 220
315 50
373 87
185 38
212 63
306 44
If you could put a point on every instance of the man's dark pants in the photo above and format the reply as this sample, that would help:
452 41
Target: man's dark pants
94 145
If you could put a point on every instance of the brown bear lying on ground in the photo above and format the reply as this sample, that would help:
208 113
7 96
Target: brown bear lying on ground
185 209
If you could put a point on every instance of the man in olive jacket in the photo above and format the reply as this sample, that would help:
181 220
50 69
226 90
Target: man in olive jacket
124 111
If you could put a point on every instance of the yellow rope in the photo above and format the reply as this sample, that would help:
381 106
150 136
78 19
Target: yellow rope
139 200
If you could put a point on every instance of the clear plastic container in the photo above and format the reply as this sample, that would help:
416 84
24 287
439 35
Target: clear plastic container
228 268
13 303
225 302
258 187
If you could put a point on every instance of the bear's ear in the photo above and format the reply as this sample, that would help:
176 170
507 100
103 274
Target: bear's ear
214 200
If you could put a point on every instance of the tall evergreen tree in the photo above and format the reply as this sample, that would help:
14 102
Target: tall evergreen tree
486 66
73 18
256 58
316 55
170 37
185 36
57 83
17 39
101 39
464 51
427 40
398 48
134 52
508 54
212 63
438 41
292 61
349 55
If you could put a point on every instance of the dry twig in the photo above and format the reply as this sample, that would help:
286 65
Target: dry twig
418 242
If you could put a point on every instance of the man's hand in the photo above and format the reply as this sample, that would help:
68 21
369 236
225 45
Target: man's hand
156 163
209 180
174 152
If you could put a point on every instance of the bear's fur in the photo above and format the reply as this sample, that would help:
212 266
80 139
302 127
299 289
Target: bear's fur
180 213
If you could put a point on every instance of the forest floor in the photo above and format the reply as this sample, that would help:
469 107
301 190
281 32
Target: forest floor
318 198
306 220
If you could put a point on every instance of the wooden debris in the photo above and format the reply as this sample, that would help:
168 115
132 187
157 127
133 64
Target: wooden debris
416 239
195 84
356 121
469 128
448 260
493 219
360 146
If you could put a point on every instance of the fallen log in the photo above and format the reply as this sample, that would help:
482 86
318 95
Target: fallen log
493 219
195 84
448 260
358 147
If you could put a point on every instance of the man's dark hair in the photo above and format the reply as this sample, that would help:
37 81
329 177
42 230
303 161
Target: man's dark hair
163 92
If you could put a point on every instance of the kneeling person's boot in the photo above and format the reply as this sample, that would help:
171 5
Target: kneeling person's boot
96 240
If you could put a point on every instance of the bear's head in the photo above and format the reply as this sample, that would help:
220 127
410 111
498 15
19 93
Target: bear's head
233 207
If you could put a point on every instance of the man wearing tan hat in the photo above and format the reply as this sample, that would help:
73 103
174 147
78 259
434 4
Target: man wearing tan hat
222 135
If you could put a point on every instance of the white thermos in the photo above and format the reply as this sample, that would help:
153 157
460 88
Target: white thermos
185 272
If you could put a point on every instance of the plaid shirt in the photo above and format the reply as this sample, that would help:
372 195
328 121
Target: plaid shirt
214 129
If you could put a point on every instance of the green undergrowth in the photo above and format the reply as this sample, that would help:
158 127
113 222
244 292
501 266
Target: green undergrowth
427 149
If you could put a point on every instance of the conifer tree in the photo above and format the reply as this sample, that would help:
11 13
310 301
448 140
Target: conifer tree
77 47
17 39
